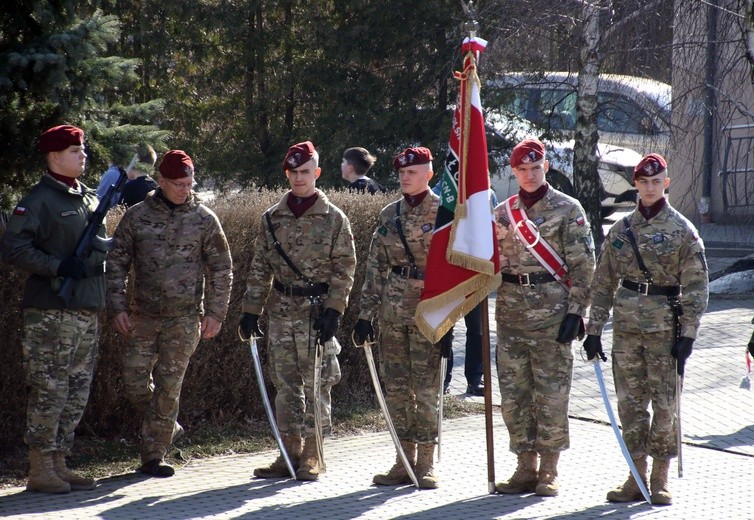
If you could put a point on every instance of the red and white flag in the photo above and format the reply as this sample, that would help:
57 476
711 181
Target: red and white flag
463 266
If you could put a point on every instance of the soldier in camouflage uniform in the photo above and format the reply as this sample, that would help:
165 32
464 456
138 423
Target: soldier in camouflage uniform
183 276
394 280
59 342
649 338
310 294
538 316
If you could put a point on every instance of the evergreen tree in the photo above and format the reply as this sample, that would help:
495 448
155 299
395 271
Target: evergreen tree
55 69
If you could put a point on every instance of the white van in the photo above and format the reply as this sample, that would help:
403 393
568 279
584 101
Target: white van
632 112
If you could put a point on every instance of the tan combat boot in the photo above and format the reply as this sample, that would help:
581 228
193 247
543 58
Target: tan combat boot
76 481
658 482
278 468
42 475
547 480
629 491
425 470
398 475
309 468
524 479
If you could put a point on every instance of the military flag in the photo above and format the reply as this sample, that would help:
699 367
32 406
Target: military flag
463 266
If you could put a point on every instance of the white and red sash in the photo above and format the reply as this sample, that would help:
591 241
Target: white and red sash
529 235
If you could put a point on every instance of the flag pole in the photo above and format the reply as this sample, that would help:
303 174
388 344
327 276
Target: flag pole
472 26
487 371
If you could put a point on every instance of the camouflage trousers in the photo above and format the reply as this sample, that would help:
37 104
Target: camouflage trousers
644 372
535 374
410 367
291 344
154 365
59 355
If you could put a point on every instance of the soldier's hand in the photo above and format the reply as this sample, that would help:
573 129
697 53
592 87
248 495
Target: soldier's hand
210 327
73 267
593 347
446 344
249 326
750 346
327 325
571 327
363 330
122 323
681 351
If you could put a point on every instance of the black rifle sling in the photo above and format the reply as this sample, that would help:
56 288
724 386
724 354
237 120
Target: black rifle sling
673 301
635 246
280 251
411 259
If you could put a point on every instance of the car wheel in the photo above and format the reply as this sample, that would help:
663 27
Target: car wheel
560 182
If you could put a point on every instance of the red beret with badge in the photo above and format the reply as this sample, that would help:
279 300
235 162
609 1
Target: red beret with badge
298 154
176 164
527 151
650 165
412 157
59 138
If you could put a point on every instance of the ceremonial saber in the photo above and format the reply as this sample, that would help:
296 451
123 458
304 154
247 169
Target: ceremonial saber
317 384
678 388
383 406
614 424
266 401
443 369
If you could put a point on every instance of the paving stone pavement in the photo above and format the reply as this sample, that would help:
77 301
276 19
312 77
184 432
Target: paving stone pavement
718 459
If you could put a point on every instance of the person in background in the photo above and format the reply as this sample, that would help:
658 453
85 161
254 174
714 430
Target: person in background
356 164
140 182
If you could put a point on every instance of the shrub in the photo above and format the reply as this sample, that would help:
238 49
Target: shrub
220 385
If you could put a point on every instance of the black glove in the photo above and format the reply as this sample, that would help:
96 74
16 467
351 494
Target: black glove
446 344
73 267
249 326
571 327
327 325
681 351
593 347
750 346
363 330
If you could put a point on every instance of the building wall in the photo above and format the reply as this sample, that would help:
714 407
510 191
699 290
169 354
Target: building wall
730 103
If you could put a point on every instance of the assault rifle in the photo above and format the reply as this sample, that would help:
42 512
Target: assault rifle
86 242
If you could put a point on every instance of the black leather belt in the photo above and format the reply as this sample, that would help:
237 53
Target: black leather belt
408 271
647 288
317 289
527 279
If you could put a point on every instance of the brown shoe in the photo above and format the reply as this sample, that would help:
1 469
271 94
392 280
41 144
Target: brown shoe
524 479
309 468
278 468
547 479
42 476
397 475
658 483
76 481
629 491
425 471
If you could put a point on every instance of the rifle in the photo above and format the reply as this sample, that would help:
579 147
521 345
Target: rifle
86 242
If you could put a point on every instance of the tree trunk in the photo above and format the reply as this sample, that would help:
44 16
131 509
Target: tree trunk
586 182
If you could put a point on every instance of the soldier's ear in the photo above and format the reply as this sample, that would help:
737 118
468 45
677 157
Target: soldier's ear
317 172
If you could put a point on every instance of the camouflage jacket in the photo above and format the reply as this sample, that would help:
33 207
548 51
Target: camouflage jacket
388 295
180 257
319 243
674 255
562 223
43 230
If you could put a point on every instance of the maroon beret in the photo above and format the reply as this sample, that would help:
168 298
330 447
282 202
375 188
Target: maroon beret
412 157
650 165
60 137
298 154
176 164
527 151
